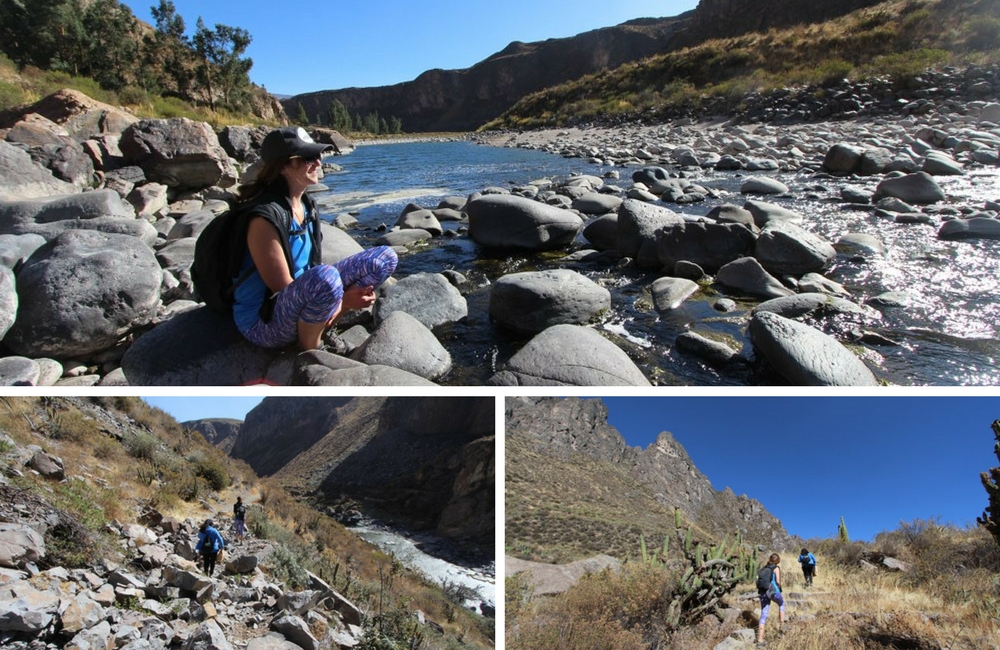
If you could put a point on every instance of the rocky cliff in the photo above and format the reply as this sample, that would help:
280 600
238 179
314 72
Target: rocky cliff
462 100
426 461
220 432
722 18
563 431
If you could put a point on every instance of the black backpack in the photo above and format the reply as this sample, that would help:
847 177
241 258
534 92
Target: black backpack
221 248
240 511
764 577
218 255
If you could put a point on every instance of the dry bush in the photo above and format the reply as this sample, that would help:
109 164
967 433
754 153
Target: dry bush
604 610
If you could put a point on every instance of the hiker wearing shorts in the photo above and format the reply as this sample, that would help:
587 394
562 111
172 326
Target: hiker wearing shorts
808 562
285 293
772 592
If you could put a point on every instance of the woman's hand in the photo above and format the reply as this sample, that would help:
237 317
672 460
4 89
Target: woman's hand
356 297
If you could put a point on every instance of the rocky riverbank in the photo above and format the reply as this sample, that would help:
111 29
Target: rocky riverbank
96 288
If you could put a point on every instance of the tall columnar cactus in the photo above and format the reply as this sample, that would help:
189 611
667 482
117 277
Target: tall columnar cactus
991 481
842 532
677 517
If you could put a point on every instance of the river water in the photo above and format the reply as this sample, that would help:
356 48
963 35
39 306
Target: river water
949 334
411 550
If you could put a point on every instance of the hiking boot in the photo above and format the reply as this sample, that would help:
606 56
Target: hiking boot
761 644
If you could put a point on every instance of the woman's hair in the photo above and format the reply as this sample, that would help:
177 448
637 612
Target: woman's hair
774 559
267 175
805 551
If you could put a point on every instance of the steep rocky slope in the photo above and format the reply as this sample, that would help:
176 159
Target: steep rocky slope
568 469
427 461
461 100
220 432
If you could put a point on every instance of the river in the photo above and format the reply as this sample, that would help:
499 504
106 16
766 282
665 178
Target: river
948 335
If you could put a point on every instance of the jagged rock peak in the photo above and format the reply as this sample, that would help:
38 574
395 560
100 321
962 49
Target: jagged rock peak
562 427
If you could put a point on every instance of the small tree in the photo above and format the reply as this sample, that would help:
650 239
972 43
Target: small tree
842 532
991 482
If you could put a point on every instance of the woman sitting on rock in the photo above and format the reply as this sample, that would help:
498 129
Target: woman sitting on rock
285 293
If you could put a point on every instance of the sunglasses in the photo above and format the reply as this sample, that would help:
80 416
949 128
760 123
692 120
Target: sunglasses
310 160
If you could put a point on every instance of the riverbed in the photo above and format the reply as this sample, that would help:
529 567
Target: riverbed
946 331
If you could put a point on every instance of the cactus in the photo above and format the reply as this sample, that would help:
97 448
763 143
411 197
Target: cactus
677 517
656 557
991 483
714 571
842 532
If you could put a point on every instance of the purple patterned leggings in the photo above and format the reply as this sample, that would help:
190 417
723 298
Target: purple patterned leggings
765 606
314 296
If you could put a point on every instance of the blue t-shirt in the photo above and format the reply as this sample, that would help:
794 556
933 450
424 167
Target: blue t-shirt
250 295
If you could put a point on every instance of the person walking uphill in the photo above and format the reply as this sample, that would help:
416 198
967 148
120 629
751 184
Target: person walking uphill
284 292
239 519
210 542
808 562
769 589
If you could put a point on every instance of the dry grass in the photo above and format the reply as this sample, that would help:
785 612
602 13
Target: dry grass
950 598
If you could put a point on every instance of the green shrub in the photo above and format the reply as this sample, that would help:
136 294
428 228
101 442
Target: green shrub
213 472
11 95
285 566
141 445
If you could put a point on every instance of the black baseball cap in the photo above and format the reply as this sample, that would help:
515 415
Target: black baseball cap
290 141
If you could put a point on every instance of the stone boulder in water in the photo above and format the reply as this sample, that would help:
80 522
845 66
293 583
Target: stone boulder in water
709 245
638 223
746 275
806 356
570 355
401 341
507 221
785 249
531 302
428 297
919 188
974 228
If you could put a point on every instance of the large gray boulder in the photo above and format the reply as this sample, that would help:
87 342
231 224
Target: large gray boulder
638 223
100 210
21 178
843 158
533 301
570 355
507 221
747 276
428 297
596 203
974 228
19 545
805 356
814 304
602 232
403 342
30 610
83 291
709 245
199 347
19 371
919 187
786 249
178 152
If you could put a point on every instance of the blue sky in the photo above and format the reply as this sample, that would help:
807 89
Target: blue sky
873 460
301 46
197 408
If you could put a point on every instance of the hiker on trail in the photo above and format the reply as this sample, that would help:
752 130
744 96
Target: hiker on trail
808 562
209 544
239 519
288 293
769 589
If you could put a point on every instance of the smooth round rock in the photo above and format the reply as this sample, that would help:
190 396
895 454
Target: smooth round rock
638 223
570 355
669 293
534 301
403 342
763 185
507 221
975 228
918 188
811 304
428 297
747 276
805 356
18 371
786 249
709 245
